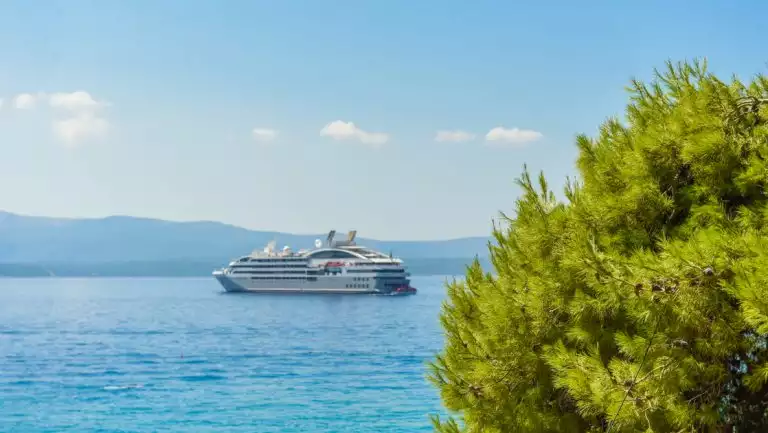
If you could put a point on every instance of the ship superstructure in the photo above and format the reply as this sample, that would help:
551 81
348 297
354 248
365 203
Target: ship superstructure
333 266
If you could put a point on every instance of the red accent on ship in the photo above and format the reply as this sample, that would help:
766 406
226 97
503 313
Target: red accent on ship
404 290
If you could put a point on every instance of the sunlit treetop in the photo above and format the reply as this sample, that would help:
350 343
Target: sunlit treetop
641 303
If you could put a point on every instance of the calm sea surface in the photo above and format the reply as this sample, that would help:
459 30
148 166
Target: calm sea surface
177 355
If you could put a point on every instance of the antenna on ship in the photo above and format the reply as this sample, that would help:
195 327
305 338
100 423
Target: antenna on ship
318 243
330 237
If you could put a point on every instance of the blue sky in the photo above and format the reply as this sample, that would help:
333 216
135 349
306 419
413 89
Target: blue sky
148 108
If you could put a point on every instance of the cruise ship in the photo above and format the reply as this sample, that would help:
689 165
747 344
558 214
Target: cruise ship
336 266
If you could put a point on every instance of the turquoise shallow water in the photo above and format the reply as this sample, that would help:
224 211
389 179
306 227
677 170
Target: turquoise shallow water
177 355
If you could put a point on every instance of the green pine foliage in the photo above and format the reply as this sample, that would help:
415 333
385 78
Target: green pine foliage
641 303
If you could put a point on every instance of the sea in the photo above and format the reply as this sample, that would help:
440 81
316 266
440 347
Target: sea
179 355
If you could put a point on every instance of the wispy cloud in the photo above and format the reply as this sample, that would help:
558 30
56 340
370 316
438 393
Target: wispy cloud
263 134
454 136
340 130
76 116
82 126
514 136
75 101
26 101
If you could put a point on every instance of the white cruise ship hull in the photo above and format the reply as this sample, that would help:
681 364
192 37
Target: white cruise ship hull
323 284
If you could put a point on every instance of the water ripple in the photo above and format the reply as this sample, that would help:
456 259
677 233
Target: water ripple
174 355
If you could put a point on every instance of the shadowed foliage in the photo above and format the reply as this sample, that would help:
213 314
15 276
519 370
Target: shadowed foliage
641 303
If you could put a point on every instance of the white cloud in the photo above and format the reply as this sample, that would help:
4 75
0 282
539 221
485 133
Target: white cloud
340 130
263 134
25 101
454 136
74 101
80 127
77 101
75 119
512 136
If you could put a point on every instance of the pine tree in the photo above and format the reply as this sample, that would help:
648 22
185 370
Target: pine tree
640 304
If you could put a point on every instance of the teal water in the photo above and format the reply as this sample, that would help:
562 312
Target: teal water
177 355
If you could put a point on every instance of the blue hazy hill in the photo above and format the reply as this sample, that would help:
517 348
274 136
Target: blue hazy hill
125 243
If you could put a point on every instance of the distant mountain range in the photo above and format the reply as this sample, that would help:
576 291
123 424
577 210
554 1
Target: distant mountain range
121 245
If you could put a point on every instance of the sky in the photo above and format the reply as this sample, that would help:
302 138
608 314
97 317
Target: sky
400 119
